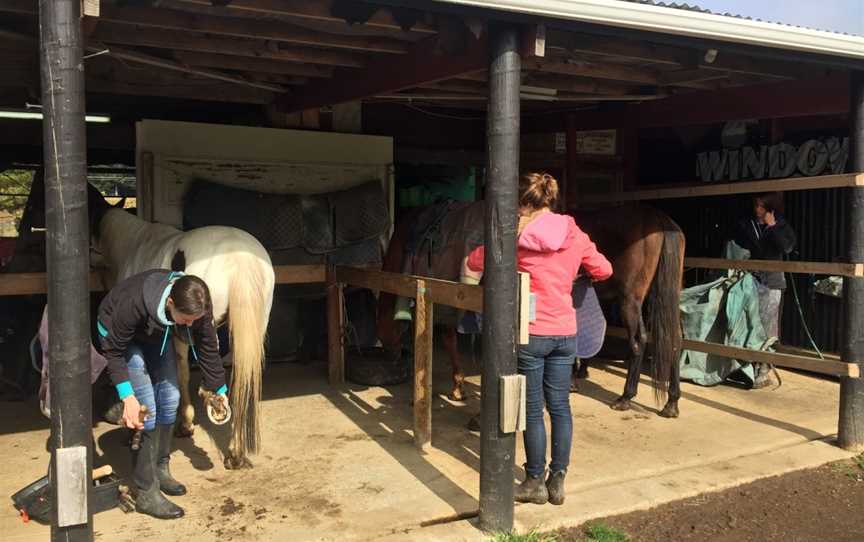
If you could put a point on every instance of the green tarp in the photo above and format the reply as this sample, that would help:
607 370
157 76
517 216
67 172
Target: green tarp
725 311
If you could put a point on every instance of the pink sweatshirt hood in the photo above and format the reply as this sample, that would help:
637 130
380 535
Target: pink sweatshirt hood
549 232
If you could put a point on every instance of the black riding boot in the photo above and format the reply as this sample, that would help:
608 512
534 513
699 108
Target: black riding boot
532 490
167 483
149 500
555 486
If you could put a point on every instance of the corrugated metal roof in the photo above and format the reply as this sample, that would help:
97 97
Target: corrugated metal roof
684 20
699 9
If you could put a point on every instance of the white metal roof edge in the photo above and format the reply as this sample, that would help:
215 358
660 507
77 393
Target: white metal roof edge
683 22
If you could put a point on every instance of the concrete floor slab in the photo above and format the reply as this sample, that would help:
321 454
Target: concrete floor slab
341 465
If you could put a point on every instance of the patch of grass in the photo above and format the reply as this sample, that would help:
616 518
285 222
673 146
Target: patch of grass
600 532
531 536
853 469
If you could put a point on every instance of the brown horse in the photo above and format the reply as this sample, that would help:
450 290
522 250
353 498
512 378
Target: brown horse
438 238
646 249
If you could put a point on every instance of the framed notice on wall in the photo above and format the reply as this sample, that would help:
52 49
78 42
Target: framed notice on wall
596 142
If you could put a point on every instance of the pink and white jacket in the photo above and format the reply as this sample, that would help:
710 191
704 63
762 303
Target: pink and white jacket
552 249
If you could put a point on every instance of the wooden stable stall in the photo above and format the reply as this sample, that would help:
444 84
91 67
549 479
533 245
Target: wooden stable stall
426 292
303 64
854 270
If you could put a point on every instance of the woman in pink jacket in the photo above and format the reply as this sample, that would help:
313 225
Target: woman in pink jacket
552 249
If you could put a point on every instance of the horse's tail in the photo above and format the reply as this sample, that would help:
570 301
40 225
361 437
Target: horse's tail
250 297
663 311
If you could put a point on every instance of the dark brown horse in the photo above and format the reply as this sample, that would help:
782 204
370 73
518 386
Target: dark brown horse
646 249
437 238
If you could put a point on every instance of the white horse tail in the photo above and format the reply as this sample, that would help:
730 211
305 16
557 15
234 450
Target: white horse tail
250 295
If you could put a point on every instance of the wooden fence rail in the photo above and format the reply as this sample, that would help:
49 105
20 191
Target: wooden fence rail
37 283
814 268
816 365
729 189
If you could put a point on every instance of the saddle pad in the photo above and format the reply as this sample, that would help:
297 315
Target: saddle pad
320 224
361 213
318 235
276 221
591 323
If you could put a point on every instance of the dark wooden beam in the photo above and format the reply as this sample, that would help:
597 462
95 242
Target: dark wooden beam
570 84
223 26
190 89
596 71
184 21
825 96
170 39
465 87
611 72
318 11
21 7
646 52
263 65
688 58
684 77
423 64
157 62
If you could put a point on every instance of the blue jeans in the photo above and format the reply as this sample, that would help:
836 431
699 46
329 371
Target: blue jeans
154 381
547 363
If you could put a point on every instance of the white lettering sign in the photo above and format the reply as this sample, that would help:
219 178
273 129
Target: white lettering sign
814 157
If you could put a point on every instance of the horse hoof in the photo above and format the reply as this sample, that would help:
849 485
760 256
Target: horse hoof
237 463
574 386
669 411
184 432
457 395
621 404
474 423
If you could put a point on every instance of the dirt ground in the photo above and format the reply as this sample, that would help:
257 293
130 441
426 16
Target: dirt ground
821 504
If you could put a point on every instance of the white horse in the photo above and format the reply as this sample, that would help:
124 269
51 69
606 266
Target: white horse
239 274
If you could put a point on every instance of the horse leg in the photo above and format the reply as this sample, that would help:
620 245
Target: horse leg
631 314
671 408
451 344
580 373
186 412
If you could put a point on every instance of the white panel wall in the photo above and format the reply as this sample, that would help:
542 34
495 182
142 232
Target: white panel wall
171 154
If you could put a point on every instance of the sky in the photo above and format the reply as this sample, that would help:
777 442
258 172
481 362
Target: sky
835 15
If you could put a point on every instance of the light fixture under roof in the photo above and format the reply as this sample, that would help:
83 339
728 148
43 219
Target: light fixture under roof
37 115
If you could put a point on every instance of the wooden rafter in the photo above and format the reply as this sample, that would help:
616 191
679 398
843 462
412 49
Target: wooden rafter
652 53
466 87
149 60
169 39
263 65
188 90
596 71
311 11
682 77
568 84
263 29
183 21
784 99
423 64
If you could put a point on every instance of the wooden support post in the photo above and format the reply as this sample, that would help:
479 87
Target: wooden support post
335 329
850 431
423 352
497 449
66 245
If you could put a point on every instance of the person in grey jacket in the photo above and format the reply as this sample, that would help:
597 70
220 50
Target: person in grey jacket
768 236
135 323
